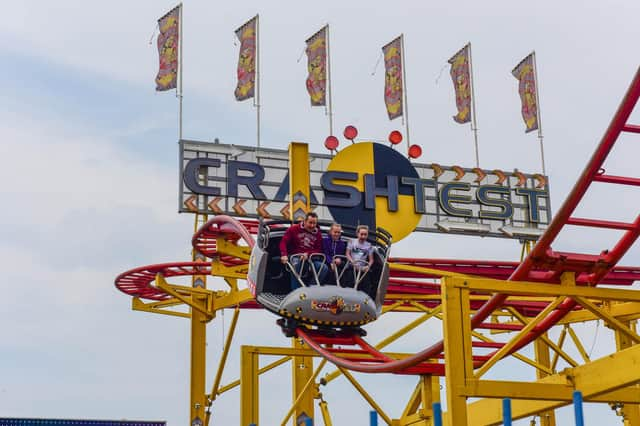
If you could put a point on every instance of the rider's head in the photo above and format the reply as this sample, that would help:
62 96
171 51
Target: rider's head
335 231
362 232
310 221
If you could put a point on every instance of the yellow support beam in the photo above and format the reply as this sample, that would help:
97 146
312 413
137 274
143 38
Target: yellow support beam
249 381
302 377
594 380
457 348
228 248
299 185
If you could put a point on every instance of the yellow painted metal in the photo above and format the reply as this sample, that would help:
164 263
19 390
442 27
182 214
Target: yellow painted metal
578 344
426 392
249 392
365 395
225 247
630 412
220 270
199 318
303 393
623 311
612 321
158 307
223 357
326 416
302 377
457 348
541 349
610 380
563 335
524 288
262 370
500 353
545 339
299 186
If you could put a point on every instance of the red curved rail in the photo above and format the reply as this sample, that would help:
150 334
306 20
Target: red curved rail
542 260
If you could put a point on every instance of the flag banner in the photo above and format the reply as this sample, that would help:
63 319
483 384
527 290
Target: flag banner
525 73
247 60
461 76
393 78
168 45
317 67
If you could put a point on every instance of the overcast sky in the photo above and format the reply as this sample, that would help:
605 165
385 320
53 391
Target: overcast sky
88 170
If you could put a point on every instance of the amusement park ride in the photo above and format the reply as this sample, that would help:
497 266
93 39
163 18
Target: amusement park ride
474 300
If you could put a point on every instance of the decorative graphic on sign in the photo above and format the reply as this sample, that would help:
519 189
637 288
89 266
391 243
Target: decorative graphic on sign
525 73
393 85
378 199
168 45
461 76
246 71
334 305
317 66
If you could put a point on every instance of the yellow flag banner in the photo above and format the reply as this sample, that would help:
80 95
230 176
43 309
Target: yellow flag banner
317 67
168 45
393 78
246 71
525 73
461 76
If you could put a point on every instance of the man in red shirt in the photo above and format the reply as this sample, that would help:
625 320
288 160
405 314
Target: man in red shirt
304 239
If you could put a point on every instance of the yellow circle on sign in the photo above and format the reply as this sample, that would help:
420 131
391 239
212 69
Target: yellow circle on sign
380 161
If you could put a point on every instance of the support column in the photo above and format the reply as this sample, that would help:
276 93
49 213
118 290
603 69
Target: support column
630 412
198 344
302 370
457 349
547 418
249 386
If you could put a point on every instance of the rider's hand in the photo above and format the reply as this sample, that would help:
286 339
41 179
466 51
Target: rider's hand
337 261
284 259
304 256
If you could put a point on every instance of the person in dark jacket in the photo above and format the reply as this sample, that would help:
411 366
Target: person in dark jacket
305 239
332 245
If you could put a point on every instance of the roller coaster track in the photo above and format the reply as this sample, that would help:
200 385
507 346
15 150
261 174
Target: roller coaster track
542 261
351 351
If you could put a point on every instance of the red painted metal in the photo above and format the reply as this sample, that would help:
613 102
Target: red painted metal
622 180
597 223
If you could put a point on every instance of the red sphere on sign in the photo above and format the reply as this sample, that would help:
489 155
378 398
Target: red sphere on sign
415 151
350 132
331 143
395 137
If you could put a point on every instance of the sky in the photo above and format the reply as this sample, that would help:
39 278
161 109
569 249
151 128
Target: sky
88 171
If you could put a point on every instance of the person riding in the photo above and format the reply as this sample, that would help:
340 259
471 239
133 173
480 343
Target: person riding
333 246
360 255
304 239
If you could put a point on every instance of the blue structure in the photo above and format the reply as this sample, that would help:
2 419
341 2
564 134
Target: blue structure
373 418
577 408
437 414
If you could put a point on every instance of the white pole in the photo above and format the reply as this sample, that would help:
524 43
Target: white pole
257 82
474 122
329 88
180 44
405 113
539 117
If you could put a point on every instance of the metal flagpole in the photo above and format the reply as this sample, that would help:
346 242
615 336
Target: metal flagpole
405 113
180 44
474 122
257 82
329 88
540 137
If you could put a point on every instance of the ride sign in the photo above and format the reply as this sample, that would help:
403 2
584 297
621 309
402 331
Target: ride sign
366 183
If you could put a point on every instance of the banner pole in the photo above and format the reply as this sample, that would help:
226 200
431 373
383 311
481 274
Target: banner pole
257 97
329 87
474 122
180 44
540 137
404 90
